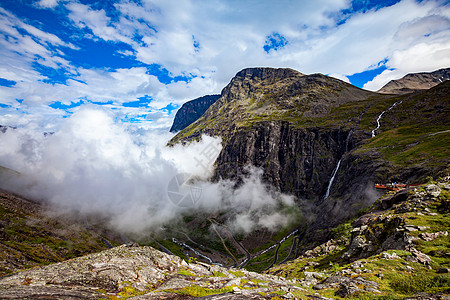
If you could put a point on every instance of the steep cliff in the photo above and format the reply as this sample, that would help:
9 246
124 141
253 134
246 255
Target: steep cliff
416 82
304 130
191 111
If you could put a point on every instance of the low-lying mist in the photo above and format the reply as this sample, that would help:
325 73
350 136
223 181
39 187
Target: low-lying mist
94 165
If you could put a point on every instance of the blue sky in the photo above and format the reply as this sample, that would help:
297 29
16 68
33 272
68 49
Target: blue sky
141 60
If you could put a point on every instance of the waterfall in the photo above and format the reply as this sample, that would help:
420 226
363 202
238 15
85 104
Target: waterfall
378 123
381 115
333 174
332 178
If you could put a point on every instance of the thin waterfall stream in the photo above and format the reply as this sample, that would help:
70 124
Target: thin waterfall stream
381 115
333 174
332 178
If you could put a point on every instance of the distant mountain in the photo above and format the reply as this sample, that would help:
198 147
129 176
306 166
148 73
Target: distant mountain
191 111
415 82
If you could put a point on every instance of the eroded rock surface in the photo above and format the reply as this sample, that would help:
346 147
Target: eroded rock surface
141 272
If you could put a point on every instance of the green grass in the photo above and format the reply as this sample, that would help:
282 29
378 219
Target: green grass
410 284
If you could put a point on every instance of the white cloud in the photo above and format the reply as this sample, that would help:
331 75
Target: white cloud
419 58
97 21
340 77
47 3
209 43
93 165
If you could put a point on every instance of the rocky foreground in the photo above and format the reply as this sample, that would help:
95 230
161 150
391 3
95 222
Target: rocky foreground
398 249
141 273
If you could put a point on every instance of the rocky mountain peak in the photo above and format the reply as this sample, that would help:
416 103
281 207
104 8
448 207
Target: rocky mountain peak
415 82
270 74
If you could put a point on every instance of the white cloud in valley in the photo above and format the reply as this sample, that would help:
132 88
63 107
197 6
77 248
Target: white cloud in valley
95 166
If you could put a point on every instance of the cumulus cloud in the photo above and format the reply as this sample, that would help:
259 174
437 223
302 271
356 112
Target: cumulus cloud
47 3
208 43
94 165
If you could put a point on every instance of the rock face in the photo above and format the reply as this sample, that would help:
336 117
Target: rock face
294 160
191 111
415 82
141 273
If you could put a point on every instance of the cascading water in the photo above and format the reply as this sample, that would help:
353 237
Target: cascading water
332 179
333 174
381 115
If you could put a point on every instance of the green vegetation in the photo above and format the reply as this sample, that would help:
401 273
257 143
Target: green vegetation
35 239
409 284
198 291
185 272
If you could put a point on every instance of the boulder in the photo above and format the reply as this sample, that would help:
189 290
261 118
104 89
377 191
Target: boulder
347 289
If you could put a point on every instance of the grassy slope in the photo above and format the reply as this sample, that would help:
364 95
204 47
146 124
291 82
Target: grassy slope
394 279
30 236
416 132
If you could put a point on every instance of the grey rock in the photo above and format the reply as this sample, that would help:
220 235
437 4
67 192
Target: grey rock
346 289
431 236
190 111
419 257
142 268
372 290
433 190
386 255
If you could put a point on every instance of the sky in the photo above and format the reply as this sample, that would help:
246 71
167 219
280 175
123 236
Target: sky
140 60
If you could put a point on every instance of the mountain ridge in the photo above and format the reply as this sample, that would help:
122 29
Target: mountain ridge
415 82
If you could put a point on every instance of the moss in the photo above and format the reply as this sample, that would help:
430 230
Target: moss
128 291
237 273
185 272
219 274
198 291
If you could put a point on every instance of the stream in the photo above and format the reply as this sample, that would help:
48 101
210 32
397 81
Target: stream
381 115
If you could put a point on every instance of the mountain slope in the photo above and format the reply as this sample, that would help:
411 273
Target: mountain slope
416 82
191 111
32 235
397 249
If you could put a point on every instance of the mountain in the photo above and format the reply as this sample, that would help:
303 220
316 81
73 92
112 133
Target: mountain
318 138
416 82
191 111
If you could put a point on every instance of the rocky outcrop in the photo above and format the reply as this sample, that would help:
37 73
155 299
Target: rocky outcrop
415 82
191 111
386 229
141 273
